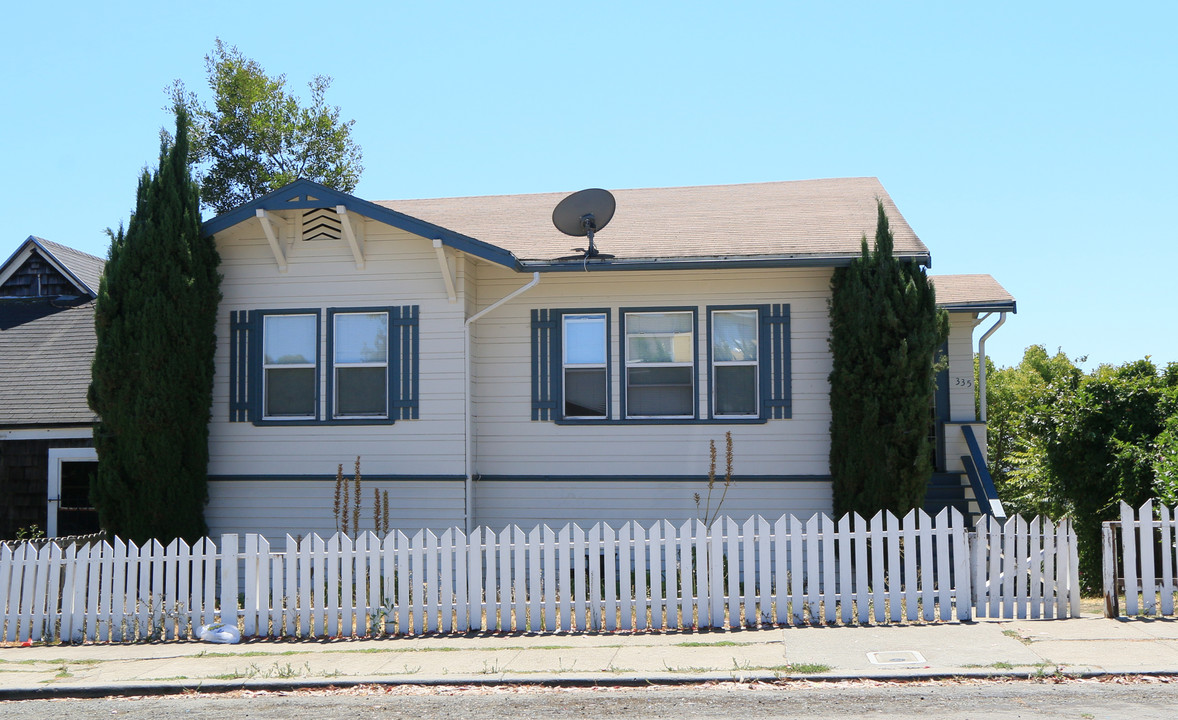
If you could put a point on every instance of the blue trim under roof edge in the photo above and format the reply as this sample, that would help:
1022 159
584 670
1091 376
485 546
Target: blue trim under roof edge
704 264
1010 307
327 197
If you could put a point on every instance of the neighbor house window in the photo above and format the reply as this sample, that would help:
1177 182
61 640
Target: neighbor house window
360 363
288 366
735 363
660 364
585 379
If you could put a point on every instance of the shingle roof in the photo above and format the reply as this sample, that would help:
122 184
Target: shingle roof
972 293
823 220
84 266
46 349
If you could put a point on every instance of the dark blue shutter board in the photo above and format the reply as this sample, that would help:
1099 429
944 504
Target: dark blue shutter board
543 334
777 392
240 326
407 379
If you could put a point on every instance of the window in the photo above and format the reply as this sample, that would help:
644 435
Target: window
660 364
735 367
360 363
585 367
289 371
372 371
748 378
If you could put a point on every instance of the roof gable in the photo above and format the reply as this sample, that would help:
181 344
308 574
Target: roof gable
311 196
40 268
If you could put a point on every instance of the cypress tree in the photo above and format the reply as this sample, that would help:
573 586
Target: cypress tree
885 332
151 382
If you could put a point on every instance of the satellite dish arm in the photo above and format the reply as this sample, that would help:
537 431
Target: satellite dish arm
590 224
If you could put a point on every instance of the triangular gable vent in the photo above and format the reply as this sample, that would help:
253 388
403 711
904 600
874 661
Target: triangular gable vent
322 224
36 277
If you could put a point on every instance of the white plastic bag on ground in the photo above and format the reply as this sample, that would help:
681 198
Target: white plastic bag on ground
219 633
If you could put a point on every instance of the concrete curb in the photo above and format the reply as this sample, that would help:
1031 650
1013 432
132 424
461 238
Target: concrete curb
165 689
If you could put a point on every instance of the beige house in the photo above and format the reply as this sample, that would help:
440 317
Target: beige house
488 372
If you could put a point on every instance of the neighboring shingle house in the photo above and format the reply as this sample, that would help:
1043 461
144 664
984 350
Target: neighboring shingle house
47 294
488 373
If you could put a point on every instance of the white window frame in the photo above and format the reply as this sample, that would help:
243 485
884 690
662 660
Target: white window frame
313 365
690 363
586 317
336 366
755 364
57 456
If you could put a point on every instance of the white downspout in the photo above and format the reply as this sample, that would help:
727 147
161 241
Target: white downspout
982 367
469 494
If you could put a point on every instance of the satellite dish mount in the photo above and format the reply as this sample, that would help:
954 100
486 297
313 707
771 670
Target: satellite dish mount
584 213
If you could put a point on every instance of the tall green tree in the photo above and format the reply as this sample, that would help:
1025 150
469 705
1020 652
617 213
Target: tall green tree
885 332
1106 443
152 377
1023 401
256 137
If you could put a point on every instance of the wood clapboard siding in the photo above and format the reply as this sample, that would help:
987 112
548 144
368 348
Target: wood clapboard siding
961 373
527 503
510 443
401 269
277 506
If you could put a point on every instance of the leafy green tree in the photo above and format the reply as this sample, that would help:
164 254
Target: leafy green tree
1067 443
1165 463
1022 401
885 332
152 377
1102 447
257 137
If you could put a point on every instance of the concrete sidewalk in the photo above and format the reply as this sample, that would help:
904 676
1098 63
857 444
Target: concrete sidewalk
1026 648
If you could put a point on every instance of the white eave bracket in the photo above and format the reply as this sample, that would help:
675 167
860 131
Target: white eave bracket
447 275
355 239
271 226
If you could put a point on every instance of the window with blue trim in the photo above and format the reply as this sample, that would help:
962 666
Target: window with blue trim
360 365
660 364
585 368
745 378
371 356
734 351
289 369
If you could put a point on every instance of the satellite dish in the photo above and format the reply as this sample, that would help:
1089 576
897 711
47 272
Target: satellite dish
584 213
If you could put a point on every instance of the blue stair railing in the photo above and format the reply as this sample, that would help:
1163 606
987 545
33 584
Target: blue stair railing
979 476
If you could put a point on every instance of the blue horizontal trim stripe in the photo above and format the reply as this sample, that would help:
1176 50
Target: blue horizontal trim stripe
650 478
711 264
330 477
665 421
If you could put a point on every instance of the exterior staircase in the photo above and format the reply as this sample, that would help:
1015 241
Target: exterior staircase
949 490
970 490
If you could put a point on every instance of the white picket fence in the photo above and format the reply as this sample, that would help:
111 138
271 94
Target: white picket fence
1026 570
1148 561
634 577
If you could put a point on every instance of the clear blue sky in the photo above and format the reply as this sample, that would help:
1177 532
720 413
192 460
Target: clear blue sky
1037 142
